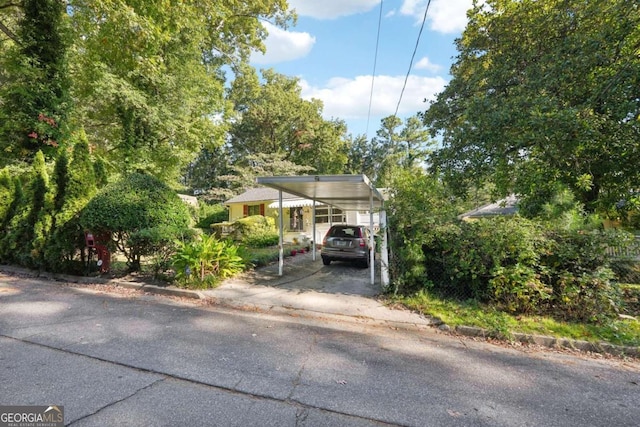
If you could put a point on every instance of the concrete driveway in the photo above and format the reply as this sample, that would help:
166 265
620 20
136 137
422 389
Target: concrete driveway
302 273
308 287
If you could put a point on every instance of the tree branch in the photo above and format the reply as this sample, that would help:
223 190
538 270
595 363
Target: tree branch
8 5
9 33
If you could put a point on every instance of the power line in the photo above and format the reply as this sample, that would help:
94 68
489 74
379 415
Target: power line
424 19
373 75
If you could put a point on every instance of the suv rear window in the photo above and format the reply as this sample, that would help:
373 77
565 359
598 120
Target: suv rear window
345 232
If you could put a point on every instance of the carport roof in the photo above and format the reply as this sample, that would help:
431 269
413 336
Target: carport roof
347 192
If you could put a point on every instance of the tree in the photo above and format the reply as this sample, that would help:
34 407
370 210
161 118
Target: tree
135 210
203 174
150 78
242 176
360 158
544 94
272 118
36 93
394 146
418 203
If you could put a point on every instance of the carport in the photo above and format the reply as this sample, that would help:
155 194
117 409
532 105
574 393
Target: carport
346 192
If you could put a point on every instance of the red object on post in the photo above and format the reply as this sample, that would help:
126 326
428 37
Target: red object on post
99 244
88 237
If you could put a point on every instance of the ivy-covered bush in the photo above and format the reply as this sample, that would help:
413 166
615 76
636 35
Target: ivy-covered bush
75 185
135 203
28 219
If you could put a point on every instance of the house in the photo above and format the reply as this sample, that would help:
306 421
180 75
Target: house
507 206
297 212
190 200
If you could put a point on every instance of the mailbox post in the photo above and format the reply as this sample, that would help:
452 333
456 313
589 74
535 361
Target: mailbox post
99 245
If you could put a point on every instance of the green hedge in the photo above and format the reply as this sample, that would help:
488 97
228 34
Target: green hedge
520 266
140 212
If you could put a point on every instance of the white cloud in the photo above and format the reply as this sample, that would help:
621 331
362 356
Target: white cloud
283 46
331 9
426 64
348 98
444 16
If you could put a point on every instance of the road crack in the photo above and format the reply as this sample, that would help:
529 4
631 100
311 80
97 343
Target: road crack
297 380
115 402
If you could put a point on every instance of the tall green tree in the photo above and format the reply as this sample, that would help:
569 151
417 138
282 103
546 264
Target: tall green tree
150 77
75 186
272 118
35 94
360 157
545 94
397 145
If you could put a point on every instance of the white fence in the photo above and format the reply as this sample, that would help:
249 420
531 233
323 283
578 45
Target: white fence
630 252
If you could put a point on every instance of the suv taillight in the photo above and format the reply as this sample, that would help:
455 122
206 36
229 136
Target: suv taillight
363 243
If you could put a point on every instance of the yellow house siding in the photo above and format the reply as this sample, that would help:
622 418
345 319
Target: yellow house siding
236 210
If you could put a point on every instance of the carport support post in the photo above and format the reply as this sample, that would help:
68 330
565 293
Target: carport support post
372 256
281 235
313 220
384 254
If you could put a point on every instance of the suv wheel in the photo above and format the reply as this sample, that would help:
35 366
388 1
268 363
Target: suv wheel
365 262
326 260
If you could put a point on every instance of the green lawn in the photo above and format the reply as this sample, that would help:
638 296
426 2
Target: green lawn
620 331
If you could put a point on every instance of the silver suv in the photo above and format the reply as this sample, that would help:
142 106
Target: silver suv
346 243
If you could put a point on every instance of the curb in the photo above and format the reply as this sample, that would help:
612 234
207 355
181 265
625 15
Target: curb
319 315
169 291
552 342
469 331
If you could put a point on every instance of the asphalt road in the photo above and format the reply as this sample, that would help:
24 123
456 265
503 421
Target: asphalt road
126 359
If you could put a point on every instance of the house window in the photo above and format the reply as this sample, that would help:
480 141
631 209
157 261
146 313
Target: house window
253 210
249 210
322 215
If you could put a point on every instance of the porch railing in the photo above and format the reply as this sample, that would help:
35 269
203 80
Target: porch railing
631 251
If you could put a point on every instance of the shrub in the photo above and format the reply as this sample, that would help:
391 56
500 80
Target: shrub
518 289
590 296
523 266
135 203
580 275
211 214
257 231
418 204
204 261
160 244
462 258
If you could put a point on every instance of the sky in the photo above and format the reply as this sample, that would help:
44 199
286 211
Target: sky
332 49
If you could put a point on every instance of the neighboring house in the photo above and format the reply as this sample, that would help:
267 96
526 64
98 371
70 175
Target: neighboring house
297 213
508 206
190 200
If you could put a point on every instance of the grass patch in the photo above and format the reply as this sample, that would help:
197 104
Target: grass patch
471 313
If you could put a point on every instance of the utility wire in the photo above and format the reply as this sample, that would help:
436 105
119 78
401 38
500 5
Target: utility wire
373 75
424 19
